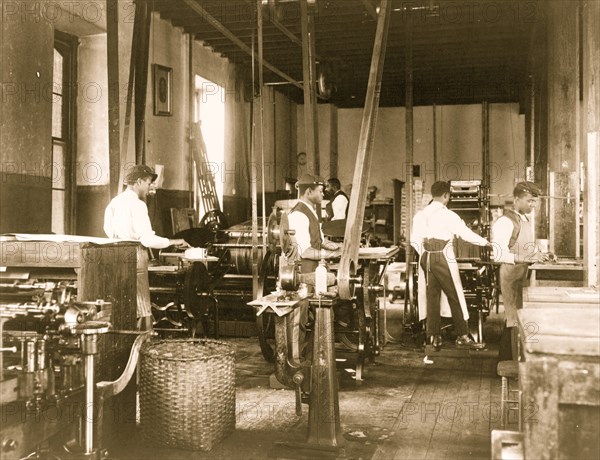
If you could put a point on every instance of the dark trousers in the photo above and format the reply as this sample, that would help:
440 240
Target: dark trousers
437 274
512 280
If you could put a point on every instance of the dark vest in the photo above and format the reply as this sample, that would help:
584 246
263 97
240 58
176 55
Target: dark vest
314 230
329 207
515 218
522 241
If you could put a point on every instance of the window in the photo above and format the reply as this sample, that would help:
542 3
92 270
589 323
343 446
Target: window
209 108
63 131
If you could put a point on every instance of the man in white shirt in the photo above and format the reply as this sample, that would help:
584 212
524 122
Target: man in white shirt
337 208
514 247
433 232
126 218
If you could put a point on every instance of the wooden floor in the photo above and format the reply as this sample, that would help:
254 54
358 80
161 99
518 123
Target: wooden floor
404 409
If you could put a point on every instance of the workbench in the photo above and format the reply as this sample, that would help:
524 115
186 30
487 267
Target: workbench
564 272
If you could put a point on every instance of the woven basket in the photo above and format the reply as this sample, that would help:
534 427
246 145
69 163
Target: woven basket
187 393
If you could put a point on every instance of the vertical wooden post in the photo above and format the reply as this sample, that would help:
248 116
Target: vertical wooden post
309 72
261 119
563 119
141 77
435 147
530 121
409 144
538 68
114 119
253 185
591 144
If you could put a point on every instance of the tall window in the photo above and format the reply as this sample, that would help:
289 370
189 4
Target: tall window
63 131
210 112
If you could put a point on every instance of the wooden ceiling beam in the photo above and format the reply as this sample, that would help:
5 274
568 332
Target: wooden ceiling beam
352 37
198 9
353 53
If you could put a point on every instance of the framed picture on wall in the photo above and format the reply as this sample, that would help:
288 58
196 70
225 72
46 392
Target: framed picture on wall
163 90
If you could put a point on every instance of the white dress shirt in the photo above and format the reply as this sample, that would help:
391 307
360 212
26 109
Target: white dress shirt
126 218
437 221
501 233
299 222
339 206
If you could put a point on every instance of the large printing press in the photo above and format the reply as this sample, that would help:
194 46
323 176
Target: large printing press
68 342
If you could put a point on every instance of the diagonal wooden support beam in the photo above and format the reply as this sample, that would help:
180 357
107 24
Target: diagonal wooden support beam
362 170
221 28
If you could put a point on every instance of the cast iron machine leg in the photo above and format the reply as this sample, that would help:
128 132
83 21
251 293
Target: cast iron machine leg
89 332
324 429
320 390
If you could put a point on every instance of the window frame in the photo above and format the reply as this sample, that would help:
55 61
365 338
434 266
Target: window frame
67 45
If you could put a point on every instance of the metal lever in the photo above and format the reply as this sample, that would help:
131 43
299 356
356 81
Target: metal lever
298 378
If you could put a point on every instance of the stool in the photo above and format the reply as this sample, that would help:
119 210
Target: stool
509 399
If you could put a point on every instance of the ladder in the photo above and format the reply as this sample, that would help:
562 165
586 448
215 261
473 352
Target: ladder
206 180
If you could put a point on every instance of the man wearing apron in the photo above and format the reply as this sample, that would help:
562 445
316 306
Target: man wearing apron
514 247
433 232
126 218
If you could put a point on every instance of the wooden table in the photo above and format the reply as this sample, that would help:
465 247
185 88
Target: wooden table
564 272
560 382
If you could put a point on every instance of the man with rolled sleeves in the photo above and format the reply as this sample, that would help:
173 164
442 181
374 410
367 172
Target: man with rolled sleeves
513 240
433 232
126 218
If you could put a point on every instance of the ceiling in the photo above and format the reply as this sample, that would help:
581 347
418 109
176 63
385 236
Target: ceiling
463 51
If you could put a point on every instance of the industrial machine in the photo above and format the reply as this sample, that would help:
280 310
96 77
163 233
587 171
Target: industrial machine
208 294
470 200
55 345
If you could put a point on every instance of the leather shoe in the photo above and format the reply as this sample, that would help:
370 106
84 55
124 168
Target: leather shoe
464 341
436 342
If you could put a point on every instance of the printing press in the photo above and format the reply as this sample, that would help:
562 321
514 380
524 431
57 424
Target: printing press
204 291
68 327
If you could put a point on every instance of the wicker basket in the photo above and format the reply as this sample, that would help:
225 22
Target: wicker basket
187 393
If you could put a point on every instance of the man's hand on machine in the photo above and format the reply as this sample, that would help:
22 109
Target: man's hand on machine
179 243
331 254
330 246
330 250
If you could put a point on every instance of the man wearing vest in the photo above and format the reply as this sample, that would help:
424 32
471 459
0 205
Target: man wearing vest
337 208
514 247
310 246
310 242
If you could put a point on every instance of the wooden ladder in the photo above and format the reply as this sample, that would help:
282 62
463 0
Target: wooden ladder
206 180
